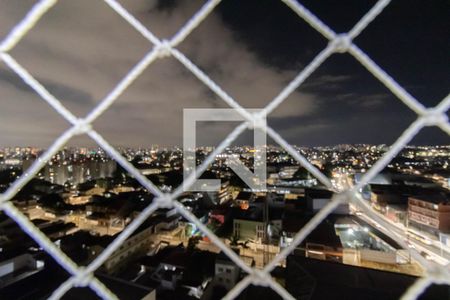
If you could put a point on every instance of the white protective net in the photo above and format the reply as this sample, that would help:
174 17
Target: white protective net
84 276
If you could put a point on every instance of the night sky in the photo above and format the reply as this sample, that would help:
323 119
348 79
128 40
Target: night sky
251 48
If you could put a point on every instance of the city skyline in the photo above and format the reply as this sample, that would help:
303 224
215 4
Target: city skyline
232 146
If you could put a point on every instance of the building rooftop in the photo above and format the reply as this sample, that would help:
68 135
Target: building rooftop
320 280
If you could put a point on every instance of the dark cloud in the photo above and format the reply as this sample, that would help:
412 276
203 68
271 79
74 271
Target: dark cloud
67 93
252 49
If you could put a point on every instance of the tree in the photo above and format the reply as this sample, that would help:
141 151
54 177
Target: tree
192 242
327 169
302 174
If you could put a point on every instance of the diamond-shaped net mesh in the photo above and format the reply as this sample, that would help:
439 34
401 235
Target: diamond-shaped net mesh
84 276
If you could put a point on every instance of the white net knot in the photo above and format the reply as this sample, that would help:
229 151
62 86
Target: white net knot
258 122
341 43
82 127
434 117
165 201
164 49
259 278
346 196
83 278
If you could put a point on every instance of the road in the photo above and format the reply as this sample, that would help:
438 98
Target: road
434 249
